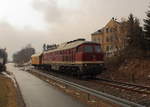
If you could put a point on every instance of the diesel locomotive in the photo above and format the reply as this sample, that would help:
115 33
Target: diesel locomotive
78 57
3 59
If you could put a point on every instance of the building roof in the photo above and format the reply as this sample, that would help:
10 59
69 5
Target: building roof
97 32
100 31
114 21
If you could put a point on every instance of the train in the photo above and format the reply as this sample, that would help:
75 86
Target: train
78 57
3 59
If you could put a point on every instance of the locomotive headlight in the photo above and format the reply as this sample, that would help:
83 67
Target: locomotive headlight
101 64
85 64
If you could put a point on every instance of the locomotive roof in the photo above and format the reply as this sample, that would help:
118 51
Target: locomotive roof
66 45
69 45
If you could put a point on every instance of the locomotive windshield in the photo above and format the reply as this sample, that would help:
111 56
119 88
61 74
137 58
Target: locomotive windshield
88 49
97 49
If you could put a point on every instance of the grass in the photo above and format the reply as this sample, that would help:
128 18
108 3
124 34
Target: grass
3 92
7 93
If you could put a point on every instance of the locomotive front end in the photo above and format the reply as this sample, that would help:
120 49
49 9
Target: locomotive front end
91 59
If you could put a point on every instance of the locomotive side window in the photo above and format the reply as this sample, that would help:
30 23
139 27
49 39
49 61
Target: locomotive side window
79 49
88 49
97 49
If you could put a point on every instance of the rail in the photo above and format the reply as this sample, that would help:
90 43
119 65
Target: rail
127 86
101 95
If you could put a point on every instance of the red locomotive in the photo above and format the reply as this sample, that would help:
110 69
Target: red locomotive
78 57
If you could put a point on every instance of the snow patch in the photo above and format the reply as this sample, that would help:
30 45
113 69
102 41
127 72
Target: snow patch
12 77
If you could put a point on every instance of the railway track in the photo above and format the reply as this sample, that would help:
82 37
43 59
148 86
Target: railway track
116 100
126 86
121 85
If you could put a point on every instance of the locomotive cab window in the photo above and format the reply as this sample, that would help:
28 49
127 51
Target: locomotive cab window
88 49
97 49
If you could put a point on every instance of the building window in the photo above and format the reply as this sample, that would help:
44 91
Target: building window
107 30
102 40
110 48
107 48
114 29
111 30
94 40
107 39
97 40
112 38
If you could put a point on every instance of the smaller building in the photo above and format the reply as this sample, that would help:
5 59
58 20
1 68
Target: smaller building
111 37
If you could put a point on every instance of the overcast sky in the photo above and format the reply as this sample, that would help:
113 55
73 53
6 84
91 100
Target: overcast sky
55 21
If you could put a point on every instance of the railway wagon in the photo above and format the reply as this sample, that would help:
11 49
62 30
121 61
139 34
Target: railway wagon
77 57
36 60
3 59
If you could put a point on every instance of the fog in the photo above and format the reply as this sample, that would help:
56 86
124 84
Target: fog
64 20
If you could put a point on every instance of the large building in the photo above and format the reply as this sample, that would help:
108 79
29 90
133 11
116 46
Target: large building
111 37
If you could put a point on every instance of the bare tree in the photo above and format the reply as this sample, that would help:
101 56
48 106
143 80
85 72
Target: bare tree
147 30
23 55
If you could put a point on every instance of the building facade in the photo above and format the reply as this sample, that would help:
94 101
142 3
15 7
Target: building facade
111 37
